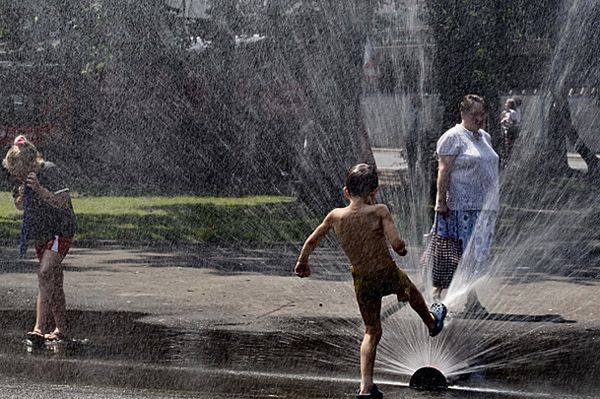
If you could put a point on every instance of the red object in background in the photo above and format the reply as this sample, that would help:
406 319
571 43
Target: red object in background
35 134
33 102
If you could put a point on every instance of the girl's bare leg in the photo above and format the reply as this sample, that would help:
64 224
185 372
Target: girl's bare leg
41 311
51 296
59 304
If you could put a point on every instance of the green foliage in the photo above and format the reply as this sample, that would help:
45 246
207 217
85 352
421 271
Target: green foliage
527 20
258 219
72 33
477 46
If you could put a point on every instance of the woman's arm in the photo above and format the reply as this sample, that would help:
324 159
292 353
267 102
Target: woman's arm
445 164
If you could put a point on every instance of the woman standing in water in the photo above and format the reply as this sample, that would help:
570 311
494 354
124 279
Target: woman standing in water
50 221
467 192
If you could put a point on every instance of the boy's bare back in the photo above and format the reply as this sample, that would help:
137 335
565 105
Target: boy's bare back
364 228
364 232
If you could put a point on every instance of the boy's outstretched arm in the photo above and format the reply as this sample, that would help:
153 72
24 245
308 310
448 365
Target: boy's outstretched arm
391 232
302 268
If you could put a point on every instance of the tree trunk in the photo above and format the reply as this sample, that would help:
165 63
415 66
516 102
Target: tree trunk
330 57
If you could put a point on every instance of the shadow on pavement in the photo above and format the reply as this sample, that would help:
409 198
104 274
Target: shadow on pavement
107 335
329 264
118 349
542 318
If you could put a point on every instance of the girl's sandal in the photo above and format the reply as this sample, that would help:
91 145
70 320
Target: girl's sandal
34 338
55 337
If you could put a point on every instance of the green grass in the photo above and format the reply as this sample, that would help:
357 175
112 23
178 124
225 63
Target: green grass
260 219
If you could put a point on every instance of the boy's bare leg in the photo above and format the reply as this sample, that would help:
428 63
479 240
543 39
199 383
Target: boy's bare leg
51 289
368 349
417 302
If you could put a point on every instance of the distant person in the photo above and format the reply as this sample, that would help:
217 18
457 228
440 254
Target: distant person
518 104
467 192
364 230
510 123
50 221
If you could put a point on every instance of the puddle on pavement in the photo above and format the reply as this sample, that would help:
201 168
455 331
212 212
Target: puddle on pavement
117 349
121 336
103 335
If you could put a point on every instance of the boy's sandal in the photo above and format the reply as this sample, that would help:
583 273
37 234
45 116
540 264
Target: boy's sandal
375 394
438 310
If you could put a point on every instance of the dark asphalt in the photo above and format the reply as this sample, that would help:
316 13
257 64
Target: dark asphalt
233 322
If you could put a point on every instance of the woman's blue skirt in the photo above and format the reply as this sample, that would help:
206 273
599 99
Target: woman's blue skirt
473 228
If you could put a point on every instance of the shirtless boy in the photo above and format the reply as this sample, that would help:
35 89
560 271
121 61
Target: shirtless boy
364 230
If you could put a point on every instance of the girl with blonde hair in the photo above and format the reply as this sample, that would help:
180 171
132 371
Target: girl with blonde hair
50 221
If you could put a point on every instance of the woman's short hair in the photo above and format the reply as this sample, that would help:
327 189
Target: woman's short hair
469 100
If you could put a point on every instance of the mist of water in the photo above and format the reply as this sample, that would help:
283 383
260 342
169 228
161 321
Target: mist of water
544 233
543 229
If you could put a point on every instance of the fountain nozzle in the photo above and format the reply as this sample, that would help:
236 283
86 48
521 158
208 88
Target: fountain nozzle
428 379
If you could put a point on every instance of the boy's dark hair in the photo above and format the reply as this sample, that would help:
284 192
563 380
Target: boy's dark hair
362 179
469 100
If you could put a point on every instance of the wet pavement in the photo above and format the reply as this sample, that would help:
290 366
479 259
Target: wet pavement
11 387
233 322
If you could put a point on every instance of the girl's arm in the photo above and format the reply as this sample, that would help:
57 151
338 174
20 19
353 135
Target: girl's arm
60 200
302 268
19 197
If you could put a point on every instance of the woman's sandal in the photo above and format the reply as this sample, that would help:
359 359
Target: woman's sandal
374 394
438 310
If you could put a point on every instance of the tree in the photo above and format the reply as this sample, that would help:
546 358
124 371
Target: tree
138 96
324 52
575 63
471 39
